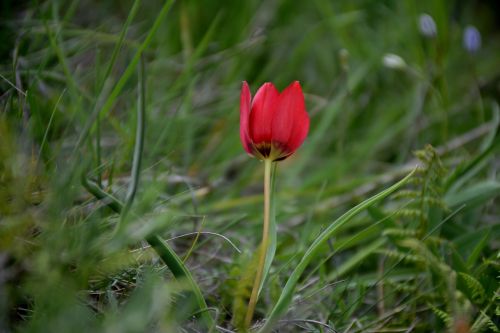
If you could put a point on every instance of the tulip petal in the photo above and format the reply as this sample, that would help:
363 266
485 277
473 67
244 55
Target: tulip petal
264 106
245 100
290 123
300 130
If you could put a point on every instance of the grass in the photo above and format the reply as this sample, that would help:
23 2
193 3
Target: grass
127 203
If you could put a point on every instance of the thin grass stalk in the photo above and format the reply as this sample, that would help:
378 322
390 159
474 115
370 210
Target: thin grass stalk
98 151
139 143
100 84
49 125
55 44
121 38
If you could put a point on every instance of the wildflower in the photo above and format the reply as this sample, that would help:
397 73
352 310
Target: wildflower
273 125
427 26
472 39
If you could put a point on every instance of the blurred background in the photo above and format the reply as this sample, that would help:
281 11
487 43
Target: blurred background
389 85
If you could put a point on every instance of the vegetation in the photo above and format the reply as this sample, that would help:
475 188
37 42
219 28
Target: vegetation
127 203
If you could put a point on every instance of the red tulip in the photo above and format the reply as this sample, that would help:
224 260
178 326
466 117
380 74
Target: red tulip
273 125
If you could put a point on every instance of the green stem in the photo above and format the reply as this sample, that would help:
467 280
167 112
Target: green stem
139 143
265 240
98 151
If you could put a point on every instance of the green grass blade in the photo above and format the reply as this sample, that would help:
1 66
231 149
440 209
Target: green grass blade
101 81
478 250
370 232
162 249
180 271
55 44
173 262
93 188
139 142
45 135
474 195
126 75
490 146
121 39
286 296
356 259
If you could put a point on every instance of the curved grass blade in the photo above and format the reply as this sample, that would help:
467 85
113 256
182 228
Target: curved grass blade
286 296
139 143
162 249
173 262
489 147
356 259
180 271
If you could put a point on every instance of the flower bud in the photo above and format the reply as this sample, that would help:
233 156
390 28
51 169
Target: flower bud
273 125
393 61
427 26
472 39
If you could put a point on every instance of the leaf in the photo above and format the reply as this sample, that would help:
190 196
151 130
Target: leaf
356 259
482 322
286 296
478 249
474 195
475 287
465 172
444 316
468 239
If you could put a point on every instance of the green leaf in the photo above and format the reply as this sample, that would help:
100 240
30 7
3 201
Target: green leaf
356 259
468 240
490 144
286 296
478 249
475 287
474 195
